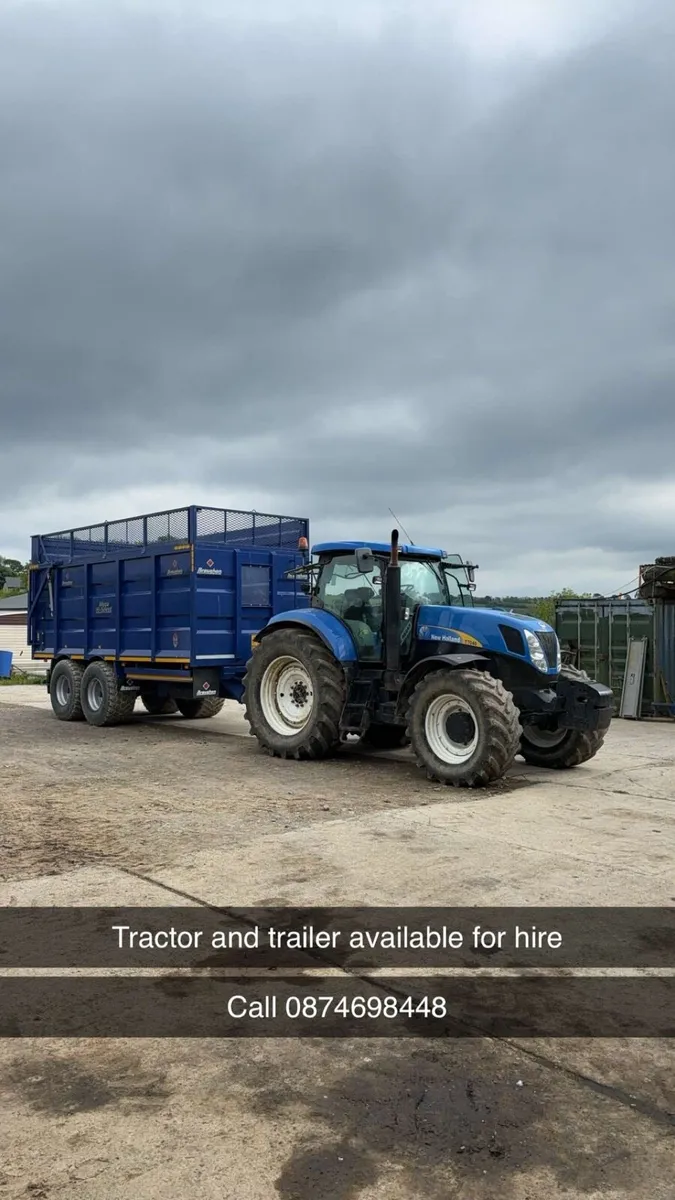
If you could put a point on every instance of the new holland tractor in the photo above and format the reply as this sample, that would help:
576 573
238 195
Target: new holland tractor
392 650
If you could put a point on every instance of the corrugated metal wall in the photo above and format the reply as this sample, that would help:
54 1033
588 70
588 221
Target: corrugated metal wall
664 657
597 632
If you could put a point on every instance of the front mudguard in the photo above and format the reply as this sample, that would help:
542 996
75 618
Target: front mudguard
573 703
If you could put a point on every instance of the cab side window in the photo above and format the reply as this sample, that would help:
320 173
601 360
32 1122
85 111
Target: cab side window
356 599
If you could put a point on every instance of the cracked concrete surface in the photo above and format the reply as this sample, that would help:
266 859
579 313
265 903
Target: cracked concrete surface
141 814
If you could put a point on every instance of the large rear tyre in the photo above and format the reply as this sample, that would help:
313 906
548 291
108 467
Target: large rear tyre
158 706
103 702
559 749
294 694
199 710
384 737
464 727
64 690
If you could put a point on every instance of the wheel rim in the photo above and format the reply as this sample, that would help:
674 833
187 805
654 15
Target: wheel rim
287 696
544 739
64 691
95 695
451 729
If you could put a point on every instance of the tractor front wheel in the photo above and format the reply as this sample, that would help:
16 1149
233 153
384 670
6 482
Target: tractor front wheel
559 749
294 694
464 727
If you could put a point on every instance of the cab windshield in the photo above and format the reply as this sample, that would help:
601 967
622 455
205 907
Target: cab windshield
423 582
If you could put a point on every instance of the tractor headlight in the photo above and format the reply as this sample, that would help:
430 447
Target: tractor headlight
536 651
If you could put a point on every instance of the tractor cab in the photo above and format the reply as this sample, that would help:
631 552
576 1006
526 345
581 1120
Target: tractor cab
349 582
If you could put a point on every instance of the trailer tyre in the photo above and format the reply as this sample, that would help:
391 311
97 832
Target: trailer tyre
103 703
194 710
294 694
464 727
158 706
64 690
384 737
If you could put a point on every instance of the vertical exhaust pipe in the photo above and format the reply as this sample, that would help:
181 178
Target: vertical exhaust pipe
393 608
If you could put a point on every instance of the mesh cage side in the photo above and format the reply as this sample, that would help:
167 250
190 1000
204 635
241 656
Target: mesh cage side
171 526
226 526
237 528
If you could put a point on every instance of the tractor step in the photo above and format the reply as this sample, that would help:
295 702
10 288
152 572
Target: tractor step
358 707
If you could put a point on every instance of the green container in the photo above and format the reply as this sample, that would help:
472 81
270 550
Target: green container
597 633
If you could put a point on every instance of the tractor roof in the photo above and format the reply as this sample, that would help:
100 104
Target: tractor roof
378 548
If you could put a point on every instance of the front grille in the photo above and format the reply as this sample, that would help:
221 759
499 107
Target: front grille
550 643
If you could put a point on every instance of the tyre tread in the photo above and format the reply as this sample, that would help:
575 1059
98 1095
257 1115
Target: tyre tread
324 735
76 671
503 717
121 705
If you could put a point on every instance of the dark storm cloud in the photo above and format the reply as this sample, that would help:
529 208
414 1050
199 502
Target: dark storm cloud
307 256
181 216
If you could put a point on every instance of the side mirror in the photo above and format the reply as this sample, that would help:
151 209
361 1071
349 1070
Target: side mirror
471 573
365 560
305 588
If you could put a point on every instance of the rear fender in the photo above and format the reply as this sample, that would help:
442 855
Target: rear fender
332 631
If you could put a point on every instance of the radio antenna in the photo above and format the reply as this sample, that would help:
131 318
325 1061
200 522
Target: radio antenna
402 526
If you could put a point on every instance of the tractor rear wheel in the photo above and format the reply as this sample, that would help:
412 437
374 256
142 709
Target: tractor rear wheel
158 706
195 710
464 727
294 694
384 737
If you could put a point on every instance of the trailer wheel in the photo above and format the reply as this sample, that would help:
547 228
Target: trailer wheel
103 703
158 706
193 710
294 693
464 727
559 749
64 690
384 737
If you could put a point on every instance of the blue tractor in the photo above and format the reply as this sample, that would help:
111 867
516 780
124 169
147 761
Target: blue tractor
390 648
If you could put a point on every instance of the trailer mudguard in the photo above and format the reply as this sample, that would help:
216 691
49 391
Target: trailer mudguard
328 627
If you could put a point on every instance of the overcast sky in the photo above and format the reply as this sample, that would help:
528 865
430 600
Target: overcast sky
329 259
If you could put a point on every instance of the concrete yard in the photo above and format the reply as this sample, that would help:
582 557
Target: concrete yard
163 809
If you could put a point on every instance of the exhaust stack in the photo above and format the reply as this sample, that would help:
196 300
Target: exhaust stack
393 608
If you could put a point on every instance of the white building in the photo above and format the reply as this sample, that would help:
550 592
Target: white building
13 634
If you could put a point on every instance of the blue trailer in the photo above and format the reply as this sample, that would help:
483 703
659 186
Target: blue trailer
191 607
164 605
